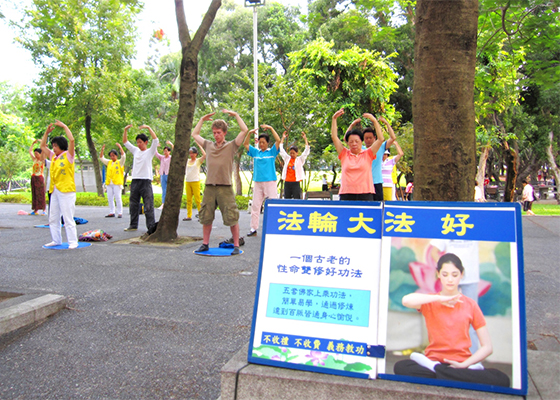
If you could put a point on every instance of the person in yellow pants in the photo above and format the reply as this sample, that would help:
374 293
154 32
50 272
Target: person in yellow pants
193 179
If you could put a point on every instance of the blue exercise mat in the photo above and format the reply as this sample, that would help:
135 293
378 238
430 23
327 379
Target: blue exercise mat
42 226
216 252
64 246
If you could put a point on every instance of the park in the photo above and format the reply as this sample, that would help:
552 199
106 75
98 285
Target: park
466 88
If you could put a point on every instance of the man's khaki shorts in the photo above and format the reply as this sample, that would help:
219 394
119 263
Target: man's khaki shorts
218 196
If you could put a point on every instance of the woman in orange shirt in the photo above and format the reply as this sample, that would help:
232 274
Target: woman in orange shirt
448 316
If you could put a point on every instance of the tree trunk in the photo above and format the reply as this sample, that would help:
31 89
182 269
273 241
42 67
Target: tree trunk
94 157
443 100
553 165
482 169
167 226
510 159
237 177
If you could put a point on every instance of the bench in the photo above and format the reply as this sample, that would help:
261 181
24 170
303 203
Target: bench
325 195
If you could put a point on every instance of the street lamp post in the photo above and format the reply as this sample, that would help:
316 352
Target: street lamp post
255 4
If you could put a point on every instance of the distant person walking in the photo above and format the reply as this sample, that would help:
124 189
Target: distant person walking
37 181
142 175
62 185
114 179
528 196
293 172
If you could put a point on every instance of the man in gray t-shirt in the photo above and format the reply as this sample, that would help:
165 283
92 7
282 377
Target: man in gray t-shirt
218 189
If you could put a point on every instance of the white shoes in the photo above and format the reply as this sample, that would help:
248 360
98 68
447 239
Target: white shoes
73 246
160 207
52 244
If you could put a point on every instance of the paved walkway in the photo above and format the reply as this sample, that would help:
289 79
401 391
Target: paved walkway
147 322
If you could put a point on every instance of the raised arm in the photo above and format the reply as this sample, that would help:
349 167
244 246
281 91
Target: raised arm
170 144
392 136
304 136
248 138
31 150
334 131
202 151
196 131
71 143
44 147
125 133
276 137
242 126
120 148
102 151
400 153
154 136
379 133
357 121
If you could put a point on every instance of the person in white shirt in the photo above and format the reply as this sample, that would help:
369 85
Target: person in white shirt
387 172
192 177
293 172
528 196
142 175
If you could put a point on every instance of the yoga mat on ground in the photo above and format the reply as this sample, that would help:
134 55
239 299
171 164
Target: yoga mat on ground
64 246
216 252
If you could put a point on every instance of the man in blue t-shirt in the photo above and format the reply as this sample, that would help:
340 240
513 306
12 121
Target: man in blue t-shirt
369 138
264 173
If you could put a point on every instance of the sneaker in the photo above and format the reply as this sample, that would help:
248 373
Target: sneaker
130 228
203 247
73 246
120 216
235 251
52 244
187 219
33 213
160 207
252 233
42 213
110 216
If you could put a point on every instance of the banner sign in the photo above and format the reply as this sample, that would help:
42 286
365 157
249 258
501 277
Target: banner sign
355 289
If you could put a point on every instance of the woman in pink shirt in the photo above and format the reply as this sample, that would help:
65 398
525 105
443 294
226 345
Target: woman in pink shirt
356 182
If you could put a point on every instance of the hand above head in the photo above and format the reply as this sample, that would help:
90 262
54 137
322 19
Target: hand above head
126 128
266 127
230 113
369 116
382 119
338 113
208 117
284 135
143 127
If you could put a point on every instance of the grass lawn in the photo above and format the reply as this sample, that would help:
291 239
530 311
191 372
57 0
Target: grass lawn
545 209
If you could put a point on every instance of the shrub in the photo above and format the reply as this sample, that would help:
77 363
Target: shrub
15 198
242 202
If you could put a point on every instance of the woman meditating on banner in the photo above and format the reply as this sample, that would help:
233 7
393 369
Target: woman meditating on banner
356 182
448 316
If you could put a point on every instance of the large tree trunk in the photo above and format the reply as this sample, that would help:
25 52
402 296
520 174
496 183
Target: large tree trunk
94 157
167 226
443 100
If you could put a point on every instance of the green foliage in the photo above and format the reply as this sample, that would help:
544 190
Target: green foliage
242 202
15 198
358 80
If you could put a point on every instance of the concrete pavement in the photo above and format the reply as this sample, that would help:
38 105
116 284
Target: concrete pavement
149 322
